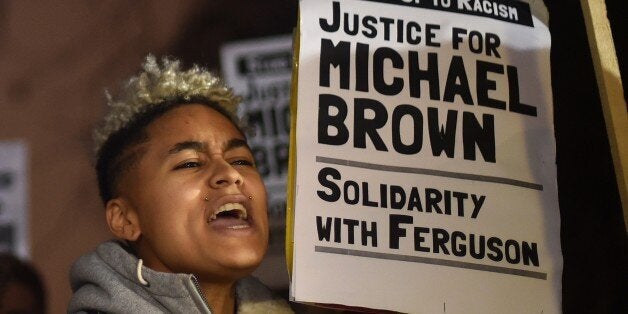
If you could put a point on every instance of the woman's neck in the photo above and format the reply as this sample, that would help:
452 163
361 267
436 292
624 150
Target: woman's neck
220 296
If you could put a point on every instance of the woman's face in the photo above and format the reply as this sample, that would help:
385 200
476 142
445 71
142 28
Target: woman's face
199 199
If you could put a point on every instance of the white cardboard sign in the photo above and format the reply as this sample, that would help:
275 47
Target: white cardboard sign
425 158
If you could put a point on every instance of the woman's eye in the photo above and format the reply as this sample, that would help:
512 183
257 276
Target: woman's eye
242 162
189 164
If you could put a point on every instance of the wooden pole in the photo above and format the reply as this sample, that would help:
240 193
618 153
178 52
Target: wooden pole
611 91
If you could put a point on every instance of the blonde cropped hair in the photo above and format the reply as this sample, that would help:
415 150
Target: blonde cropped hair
157 84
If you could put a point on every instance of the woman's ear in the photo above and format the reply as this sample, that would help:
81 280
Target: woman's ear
122 219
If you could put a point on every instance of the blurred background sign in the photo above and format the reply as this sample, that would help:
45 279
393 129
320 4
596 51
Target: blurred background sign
259 70
13 199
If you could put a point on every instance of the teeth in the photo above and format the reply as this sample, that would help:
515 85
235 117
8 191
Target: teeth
231 207
238 227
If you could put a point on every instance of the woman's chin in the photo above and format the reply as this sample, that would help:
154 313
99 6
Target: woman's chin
240 263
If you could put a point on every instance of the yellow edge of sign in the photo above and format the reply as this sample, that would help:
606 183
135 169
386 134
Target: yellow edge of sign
609 83
292 159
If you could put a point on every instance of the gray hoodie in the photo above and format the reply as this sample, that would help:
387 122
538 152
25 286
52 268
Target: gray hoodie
107 281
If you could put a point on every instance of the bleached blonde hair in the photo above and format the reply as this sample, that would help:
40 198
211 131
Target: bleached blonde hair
157 84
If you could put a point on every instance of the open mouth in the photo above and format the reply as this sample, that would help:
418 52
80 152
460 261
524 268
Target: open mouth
229 211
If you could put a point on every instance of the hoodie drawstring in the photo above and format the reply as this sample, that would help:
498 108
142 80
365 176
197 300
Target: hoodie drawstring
139 273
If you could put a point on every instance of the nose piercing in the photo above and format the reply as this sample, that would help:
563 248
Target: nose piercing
250 197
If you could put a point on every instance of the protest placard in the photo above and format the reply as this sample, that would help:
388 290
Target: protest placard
260 71
14 226
423 174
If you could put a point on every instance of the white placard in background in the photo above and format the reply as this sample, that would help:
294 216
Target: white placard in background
14 198
260 71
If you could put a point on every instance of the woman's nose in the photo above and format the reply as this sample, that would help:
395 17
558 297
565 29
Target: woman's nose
224 174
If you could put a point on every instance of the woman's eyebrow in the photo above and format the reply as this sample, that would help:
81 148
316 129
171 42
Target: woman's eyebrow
202 147
193 145
236 143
